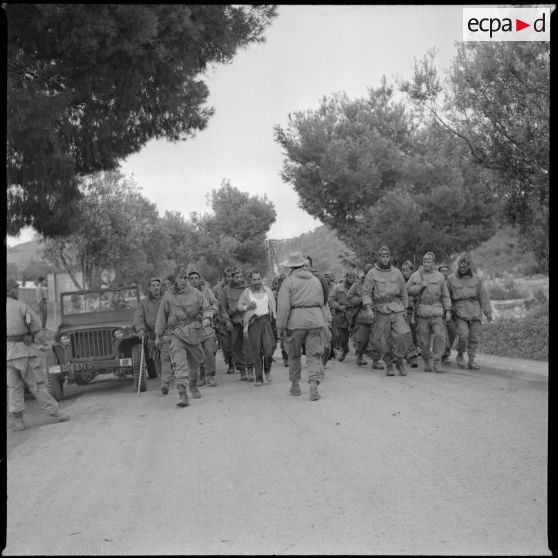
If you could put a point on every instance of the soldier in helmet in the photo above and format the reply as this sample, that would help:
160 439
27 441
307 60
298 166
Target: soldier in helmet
23 363
182 315
384 295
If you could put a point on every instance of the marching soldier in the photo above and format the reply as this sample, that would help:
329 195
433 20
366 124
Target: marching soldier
300 319
339 305
433 303
384 295
444 269
469 301
23 362
182 315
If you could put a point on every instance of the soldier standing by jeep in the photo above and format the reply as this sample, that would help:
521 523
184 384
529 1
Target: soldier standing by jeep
23 363
144 322
182 315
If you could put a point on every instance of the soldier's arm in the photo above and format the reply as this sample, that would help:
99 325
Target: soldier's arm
283 306
139 318
403 290
484 301
162 317
414 284
367 290
332 299
446 300
354 297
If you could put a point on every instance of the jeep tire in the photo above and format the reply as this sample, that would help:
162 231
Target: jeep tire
139 376
55 386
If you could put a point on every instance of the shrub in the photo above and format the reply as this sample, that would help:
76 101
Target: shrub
517 338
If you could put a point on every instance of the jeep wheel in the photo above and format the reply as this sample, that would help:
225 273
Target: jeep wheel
139 376
55 386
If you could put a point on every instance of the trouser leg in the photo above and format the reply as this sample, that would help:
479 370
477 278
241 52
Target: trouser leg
225 343
181 362
400 335
254 345
269 344
16 387
165 364
474 338
423 335
293 344
34 377
462 331
344 339
44 313
237 346
314 351
210 349
438 337
380 336
361 336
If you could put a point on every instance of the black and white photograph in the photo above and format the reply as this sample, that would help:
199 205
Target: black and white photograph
277 280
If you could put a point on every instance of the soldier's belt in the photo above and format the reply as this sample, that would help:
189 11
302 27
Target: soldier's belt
181 323
15 338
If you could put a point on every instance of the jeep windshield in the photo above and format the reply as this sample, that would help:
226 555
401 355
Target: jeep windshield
85 302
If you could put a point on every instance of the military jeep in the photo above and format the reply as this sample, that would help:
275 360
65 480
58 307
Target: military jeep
96 335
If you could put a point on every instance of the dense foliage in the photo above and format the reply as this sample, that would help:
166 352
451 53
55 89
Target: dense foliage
365 168
89 84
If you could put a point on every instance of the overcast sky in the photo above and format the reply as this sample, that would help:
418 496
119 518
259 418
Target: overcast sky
310 51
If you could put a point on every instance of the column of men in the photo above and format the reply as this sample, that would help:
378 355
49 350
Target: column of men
392 316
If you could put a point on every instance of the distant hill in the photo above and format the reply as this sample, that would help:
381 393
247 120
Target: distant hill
327 251
21 254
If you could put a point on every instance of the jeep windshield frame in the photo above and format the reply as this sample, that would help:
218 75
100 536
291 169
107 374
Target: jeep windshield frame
99 301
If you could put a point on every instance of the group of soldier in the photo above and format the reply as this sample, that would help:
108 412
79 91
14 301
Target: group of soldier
392 315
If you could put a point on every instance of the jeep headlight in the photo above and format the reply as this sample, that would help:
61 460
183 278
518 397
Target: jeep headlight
64 339
118 333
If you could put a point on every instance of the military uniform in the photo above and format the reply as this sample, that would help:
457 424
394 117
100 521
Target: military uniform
339 306
144 322
300 317
469 301
433 302
385 292
209 342
223 334
23 362
181 316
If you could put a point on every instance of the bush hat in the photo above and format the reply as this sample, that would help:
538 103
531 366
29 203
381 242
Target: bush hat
294 259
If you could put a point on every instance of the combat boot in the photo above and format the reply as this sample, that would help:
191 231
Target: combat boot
472 364
243 374
412 362
19 425
342 356
164 390
360 361
295 388
250 377
401 367
446 359
60 417
183 401
211 380
389 370
435 366
194 389
460 360
314 394
285 362
428 365
377 365
268 376
230 369
201 377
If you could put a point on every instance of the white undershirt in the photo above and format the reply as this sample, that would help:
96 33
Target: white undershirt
262 302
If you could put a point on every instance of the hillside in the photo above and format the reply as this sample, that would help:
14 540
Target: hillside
327 251
21 255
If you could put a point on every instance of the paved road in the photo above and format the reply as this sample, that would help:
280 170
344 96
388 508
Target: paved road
452 463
